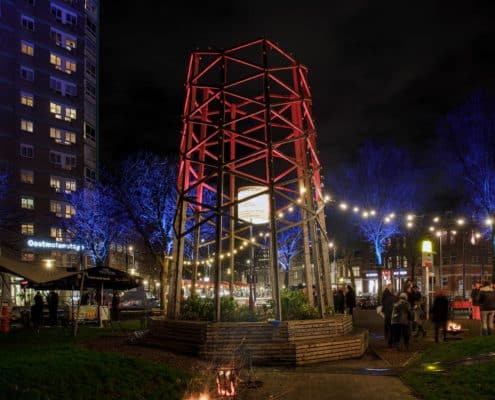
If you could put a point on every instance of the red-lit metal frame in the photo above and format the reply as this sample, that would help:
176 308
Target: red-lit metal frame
247 121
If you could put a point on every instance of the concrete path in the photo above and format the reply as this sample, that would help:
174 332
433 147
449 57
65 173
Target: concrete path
368 378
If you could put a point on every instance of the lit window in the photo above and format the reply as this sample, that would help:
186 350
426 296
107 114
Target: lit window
27 150
56 61
70 186
56 208
57 234
27 203
27 229
27 176
27 73
63 137
56 134
27 126
27 48
70 66
27 256
70 113
27 23
70 211
55 183
58 110
27 99
63 39
61 63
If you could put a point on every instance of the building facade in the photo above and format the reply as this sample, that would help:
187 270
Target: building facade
48 119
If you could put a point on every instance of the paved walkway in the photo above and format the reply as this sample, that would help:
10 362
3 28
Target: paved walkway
372 377
367 378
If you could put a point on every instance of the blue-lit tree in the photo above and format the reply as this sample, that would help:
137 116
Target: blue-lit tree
467 144
146 191
289 245
382 183
98 221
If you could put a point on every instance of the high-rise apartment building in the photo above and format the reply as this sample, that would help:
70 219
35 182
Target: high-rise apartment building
48 117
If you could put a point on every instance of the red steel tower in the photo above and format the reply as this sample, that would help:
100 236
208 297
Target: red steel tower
248 124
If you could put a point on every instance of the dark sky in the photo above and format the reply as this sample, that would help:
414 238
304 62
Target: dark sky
378 69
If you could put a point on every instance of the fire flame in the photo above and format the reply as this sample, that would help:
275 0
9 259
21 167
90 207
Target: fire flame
226 382
452 326
199 396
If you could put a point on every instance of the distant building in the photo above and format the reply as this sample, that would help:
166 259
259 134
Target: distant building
48 118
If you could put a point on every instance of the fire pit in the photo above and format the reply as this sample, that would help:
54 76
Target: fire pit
454 330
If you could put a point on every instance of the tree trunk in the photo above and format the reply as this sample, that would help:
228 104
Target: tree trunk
164 264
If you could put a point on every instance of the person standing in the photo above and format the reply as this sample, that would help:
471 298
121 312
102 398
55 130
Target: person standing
350 299
440 313
388 300
37 312
475 301
53 307
401 321
340 301
419 313
115 306
487 307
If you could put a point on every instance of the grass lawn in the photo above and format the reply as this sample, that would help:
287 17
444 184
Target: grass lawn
449 381
50 365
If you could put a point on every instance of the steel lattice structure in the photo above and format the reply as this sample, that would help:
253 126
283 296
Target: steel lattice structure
248 121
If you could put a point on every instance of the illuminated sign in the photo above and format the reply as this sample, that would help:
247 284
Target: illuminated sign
426 256
426 246
256 210
42 244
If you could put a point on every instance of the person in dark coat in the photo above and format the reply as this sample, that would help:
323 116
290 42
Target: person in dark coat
440 313
37 312
401 321
115 306
350 299
53 307
487 308
388 300
339 301
475 301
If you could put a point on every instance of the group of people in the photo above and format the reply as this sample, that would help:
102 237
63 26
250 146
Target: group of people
344 300
406 313
37 309
483 300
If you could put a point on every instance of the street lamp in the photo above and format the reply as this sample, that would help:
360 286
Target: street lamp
439 234
332 245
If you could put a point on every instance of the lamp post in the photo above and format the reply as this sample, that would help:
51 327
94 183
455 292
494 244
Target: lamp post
251 272
332 245
439 234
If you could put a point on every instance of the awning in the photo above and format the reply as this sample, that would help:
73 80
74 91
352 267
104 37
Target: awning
39 276
95 277
33 272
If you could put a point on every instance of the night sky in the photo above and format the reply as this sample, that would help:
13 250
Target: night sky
384 70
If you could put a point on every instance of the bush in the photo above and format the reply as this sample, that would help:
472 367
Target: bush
198 309
295 305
